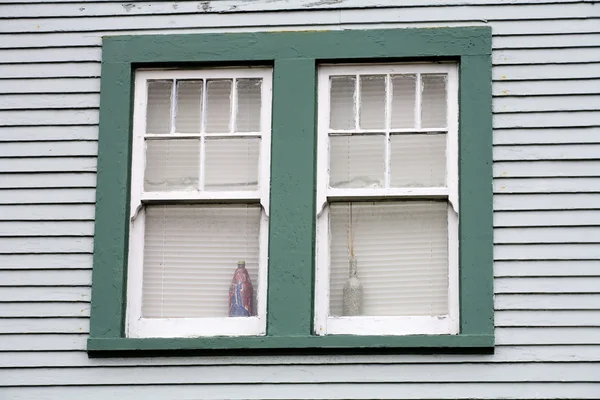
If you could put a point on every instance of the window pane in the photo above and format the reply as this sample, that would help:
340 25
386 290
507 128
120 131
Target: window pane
189 107
401 255
172 165
357 161
218 106
433 101
158 114
342 102
191 254
372 102
248 108
231 164
418 160
403 101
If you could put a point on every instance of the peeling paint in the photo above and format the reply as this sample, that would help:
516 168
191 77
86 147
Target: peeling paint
205 6
128 7
323 3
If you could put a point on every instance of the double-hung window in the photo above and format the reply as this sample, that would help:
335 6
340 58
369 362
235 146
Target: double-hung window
199 202
387 200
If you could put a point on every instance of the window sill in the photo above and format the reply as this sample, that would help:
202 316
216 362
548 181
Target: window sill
411 343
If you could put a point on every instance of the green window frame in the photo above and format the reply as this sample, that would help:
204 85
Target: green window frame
295 57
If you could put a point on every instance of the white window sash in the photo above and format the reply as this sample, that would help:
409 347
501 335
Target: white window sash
136 326
395 325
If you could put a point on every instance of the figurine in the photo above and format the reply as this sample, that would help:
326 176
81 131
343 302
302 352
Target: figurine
240 292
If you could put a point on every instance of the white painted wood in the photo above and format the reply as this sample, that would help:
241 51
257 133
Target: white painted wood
559 284
47 212
44 342
43 310
546 56
46 228
46 245
35 101
546 252
56 164
552 201
548 336
43 117
547 318
548 87
522 77
49 180
46 278
46 261
48 133
547 235
546 41
10 294
49 149
547 302
547 218
549 152
44 325
48 196
50 70
76 54
547 103
546 185
570 169
545 268
546 136
550 120
519 390
53 85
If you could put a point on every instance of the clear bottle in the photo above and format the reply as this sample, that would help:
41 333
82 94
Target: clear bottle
353 291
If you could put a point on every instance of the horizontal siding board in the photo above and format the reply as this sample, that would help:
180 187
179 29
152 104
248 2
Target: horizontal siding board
48 180
45 101
546 185
47 196
75 54
46 261
49 70
314 391
547 136
523 11
550 120
50 293
43 342
54 164
544 104
45 309
46 228
548 235
557 268
566 284
547 318
530 169
46 245
45 277
546 56
547 336
547 87
547 152
543 201
573 372
553 251
48 117
51 85
48 134
49 149
57 212
544 41
44 325
547 302
547 218
502 354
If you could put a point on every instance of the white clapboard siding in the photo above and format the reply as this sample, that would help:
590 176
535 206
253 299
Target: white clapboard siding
546 85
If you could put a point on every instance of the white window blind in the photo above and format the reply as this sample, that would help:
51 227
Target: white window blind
200 185
387 248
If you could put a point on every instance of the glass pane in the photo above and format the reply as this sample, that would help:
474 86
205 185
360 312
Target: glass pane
403 101
418 160
400 254
342 102
372 102
249 103
433 101
231 164
158 113
191 253
172 165
357 161
218 105
189 107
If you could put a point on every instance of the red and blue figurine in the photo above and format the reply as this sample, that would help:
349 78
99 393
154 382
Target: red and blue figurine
240 292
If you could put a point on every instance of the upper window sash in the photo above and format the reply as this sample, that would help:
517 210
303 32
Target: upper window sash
140 136
448 191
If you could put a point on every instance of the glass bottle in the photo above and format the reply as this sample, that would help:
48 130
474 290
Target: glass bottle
353 292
